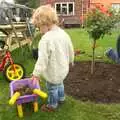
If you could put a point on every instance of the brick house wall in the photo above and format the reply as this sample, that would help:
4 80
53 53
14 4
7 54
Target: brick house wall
80 8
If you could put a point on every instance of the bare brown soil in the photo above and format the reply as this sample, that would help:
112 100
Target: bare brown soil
102 87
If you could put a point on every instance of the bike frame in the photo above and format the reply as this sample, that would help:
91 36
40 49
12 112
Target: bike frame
6 58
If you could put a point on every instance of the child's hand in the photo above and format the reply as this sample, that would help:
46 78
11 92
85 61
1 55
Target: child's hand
35 80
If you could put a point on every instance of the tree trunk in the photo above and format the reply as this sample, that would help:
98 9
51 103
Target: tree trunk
93 58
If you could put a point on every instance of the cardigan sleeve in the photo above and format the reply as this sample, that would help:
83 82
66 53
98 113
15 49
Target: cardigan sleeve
42 61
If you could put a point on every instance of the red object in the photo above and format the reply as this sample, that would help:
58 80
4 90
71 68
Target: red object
78 52
103 9
6 58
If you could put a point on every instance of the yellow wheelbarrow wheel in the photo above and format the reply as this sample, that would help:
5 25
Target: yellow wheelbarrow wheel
14 72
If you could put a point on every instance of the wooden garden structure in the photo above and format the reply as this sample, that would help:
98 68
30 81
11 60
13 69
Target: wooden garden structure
13 28
16 35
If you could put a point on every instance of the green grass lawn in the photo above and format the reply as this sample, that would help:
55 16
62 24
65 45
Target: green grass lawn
72 109
82 41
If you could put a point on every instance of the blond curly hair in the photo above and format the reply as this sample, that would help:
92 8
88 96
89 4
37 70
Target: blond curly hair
44 15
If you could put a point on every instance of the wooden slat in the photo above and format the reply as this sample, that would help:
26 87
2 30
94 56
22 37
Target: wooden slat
16 45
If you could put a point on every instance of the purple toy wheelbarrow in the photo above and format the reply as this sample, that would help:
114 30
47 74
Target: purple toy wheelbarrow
18 99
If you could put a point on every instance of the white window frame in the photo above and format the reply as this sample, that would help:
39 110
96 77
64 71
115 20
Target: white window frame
116 6
67 5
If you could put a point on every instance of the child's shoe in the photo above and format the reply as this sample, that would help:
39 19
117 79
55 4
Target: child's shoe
47 108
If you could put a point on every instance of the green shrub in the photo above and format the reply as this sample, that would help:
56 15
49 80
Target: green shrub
36 39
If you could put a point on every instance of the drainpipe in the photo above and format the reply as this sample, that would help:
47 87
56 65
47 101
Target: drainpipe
82 12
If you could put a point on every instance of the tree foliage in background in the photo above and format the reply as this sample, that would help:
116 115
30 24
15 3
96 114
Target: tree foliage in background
29 3
98 24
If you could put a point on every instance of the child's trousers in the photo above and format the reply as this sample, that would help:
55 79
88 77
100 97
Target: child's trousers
55 94
113 55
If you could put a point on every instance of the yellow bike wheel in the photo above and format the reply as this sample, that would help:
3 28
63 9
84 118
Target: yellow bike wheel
14 72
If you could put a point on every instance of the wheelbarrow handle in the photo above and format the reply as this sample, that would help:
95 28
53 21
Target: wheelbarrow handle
14 98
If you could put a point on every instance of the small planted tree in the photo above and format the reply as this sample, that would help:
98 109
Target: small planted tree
98 24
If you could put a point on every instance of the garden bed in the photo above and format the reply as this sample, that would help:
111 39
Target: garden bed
102 87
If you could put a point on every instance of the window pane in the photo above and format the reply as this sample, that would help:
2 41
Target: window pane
66 8
58 8
64 11
70 8
64 5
